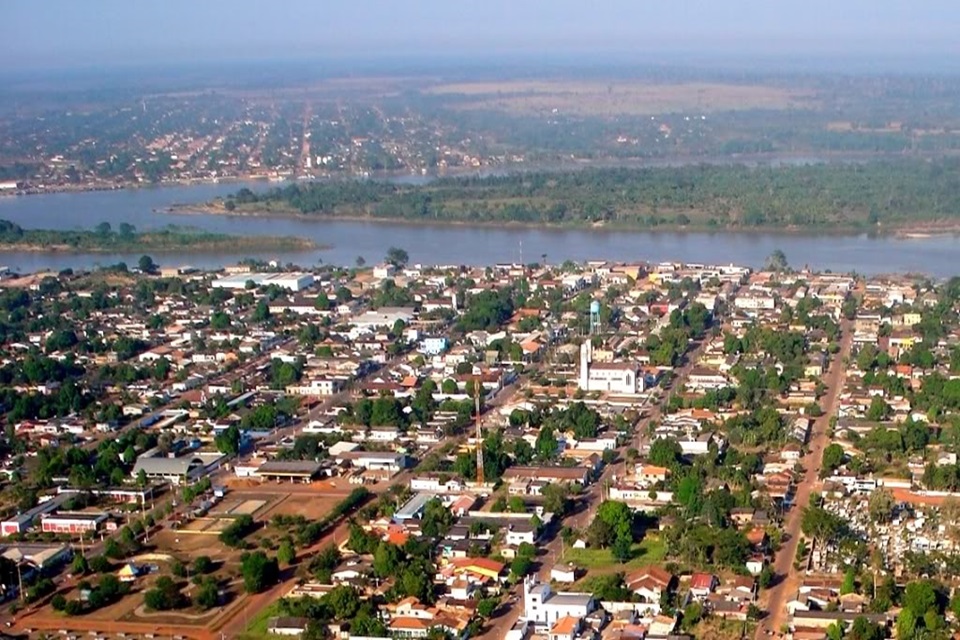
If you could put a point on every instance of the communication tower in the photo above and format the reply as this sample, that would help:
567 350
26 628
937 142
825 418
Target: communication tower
595 317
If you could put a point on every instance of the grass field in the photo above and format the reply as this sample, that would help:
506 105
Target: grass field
621 97
257 629
651 550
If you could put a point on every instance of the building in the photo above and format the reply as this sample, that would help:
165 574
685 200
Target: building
544 608
289 470
622 378
377 460
22 522
73 523
316 387
384 317
287 626
294 281
175 469
433 346
413 508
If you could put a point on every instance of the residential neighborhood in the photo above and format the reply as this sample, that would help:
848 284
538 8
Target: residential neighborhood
570 451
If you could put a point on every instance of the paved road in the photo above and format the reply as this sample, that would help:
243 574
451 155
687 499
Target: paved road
789 577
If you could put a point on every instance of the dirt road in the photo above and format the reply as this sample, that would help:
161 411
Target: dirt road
788 578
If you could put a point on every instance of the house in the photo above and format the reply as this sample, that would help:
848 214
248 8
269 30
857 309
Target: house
649 583
566 628
647 475
702 585
287 626
564 573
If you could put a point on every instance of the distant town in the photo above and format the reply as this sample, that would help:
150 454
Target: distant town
650 451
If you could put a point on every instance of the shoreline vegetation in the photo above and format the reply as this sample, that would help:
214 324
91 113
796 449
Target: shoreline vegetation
910 199
171 239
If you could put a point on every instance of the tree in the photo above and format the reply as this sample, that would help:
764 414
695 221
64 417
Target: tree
487 606
665 452
286 553
881 505
261 313
164 596
448 386
360 262
208 594
849 584
79 565
202 565
546 444
832 459
777 261
397 257
879 410
344 600
259 571
146 264
228 441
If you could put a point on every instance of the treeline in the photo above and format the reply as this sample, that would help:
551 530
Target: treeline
847 195
127 238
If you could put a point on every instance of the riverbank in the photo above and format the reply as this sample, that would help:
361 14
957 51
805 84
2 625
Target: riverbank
104 240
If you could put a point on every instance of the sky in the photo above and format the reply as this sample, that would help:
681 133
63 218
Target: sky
65 33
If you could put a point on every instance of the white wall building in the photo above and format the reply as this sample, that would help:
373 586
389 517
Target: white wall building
543 607
624 378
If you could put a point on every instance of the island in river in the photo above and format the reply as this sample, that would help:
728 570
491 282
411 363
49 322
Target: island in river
907 195
170 239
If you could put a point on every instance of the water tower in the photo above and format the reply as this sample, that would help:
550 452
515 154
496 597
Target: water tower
595 317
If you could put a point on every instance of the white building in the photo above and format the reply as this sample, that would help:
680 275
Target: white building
542 607
623 378
294 281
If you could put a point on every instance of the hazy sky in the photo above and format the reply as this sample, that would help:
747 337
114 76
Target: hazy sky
67 32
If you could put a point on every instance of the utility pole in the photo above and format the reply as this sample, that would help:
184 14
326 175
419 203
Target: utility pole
20 579
476 395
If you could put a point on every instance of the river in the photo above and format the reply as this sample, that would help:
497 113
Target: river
443 244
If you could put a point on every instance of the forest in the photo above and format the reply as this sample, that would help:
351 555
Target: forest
880 196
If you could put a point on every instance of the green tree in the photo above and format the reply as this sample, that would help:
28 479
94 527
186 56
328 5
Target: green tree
259 571
397 257
832 459
146 264
286 553
665 452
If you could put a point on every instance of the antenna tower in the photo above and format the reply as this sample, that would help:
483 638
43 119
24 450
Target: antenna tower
476 395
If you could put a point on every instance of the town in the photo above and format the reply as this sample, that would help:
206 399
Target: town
563 451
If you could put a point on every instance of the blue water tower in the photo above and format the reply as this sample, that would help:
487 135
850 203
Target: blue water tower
594 317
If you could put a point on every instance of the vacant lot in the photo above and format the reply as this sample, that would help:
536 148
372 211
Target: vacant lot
610 98
651 550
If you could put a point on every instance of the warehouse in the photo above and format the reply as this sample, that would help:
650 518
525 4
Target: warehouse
294 281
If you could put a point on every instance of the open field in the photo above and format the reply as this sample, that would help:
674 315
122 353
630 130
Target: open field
623 97
313 507
651 550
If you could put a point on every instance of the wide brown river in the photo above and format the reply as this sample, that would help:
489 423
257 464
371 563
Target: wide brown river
937 256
